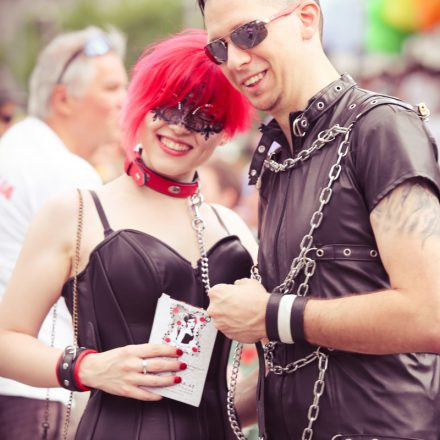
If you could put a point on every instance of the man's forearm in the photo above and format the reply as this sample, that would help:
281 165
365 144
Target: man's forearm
376 323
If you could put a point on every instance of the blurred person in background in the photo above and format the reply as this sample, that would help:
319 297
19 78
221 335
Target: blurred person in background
145 233
76 94
8 110
221 183
108 161
349 228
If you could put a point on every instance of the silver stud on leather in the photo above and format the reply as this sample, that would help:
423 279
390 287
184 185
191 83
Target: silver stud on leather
253 172
338 88
320 105
374 101
66 382
174 189
347 253
65 366
352 106
261 149
373 254
320 252
304 123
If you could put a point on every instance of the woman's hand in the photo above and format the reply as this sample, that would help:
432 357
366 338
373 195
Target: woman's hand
121 371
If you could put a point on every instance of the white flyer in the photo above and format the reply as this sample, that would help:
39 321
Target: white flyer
192 330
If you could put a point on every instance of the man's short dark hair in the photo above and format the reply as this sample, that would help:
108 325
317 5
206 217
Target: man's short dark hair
202 4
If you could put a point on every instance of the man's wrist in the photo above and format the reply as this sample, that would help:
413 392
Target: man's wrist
271 318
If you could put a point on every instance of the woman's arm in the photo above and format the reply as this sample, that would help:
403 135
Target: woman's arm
36 282
40 273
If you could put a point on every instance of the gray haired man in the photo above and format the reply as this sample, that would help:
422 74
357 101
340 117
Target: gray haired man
77 90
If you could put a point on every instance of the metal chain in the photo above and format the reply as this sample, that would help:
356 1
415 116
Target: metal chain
230 400
199 225
307 266
323 138
302 262
79 229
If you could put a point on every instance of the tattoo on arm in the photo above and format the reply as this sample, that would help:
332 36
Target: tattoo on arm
410 209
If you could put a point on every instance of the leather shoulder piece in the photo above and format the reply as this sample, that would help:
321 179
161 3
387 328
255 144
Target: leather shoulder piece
372 101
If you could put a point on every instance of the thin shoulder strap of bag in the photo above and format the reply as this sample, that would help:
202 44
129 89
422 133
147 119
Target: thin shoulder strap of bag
105 224
79 229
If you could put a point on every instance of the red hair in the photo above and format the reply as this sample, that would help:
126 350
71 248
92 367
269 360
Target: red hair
175 68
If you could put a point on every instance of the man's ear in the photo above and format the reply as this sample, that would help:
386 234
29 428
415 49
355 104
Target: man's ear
60 100
309 16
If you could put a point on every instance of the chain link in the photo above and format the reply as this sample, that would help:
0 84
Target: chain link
45 423
198 224
324 137
230 400
305 264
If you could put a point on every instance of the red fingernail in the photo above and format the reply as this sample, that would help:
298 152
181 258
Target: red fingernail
177 379
182 366
179 352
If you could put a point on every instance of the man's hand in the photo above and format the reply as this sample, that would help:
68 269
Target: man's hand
239 310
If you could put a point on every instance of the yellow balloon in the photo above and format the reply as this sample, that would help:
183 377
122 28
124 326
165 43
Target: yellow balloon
402 14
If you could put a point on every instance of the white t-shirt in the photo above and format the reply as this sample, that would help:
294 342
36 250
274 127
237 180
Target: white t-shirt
34 166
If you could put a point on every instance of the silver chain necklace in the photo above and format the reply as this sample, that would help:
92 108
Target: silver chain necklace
199 225
302 263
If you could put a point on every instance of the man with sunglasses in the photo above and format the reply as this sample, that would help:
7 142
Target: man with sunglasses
349 238
77 90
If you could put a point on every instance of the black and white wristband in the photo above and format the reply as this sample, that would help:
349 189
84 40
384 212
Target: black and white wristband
285 318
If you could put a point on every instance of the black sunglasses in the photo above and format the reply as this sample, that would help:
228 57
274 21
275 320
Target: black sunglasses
200 119
93 47
244 37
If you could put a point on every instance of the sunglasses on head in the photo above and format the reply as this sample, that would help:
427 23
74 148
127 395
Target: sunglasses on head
200 119
93 47
244 37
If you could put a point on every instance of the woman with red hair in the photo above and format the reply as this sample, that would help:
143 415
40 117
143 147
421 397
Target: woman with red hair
112 253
